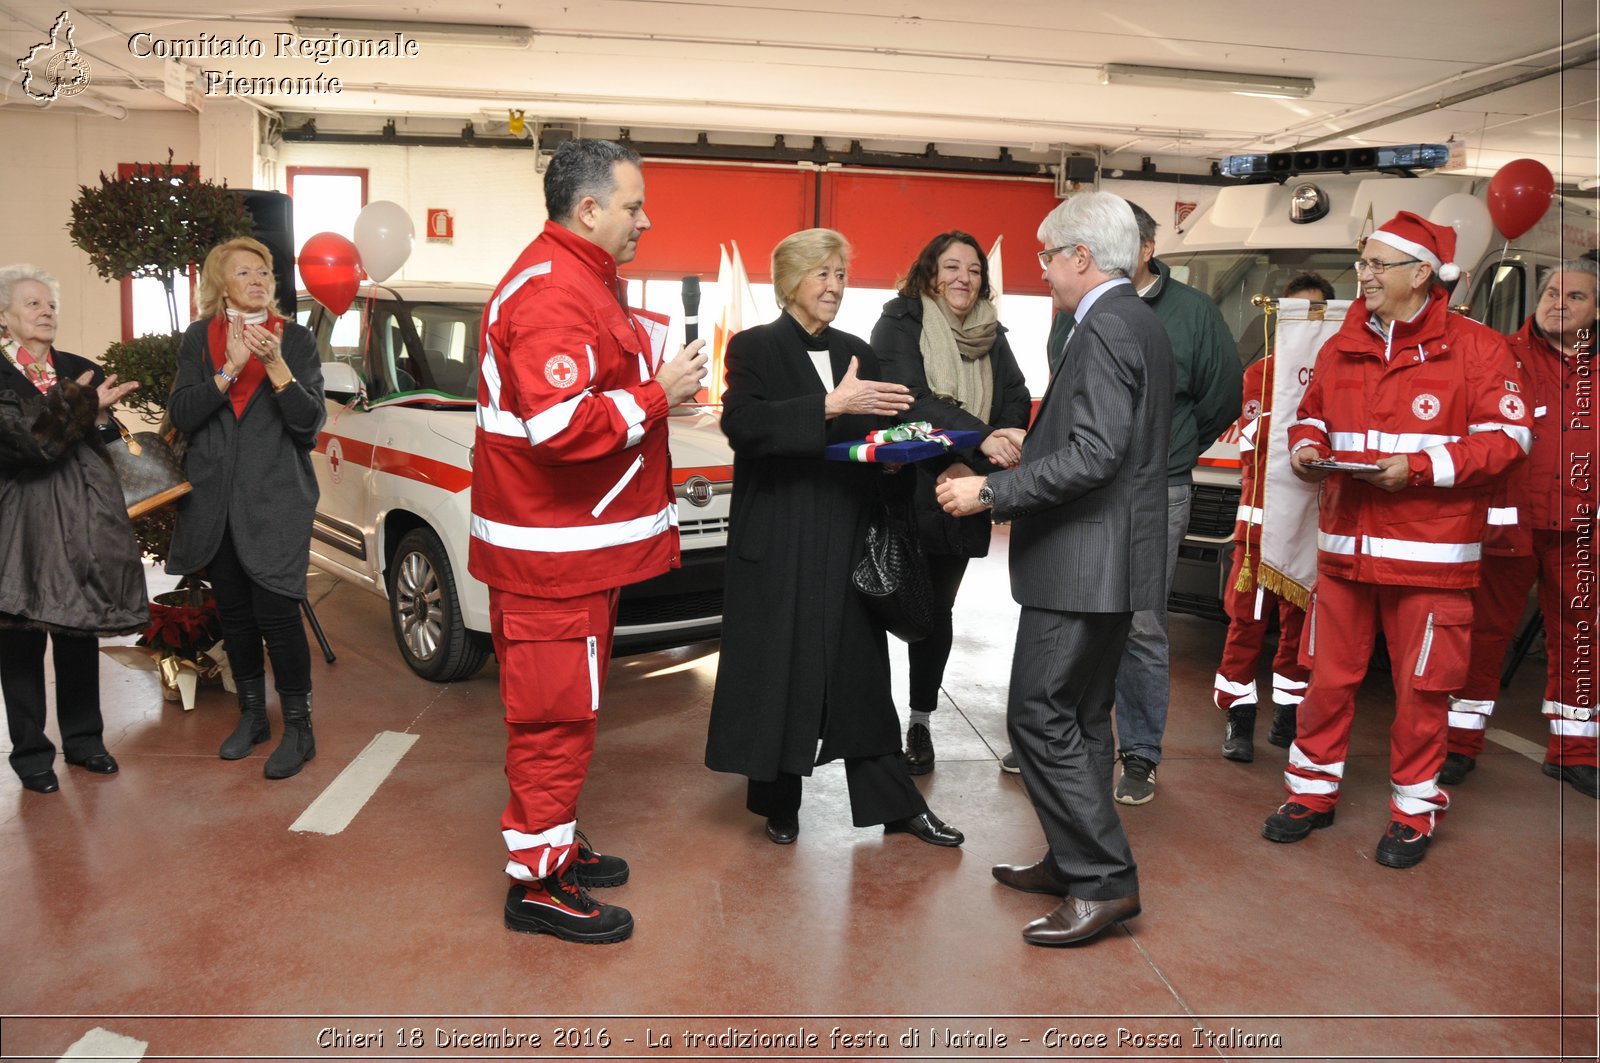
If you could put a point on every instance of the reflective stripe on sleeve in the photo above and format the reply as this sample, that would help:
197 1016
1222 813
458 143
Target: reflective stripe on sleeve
1444 466
1523 436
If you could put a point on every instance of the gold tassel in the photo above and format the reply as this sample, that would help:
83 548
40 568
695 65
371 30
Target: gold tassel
1247 580
1283 586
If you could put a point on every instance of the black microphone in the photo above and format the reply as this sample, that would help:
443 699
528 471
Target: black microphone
691 309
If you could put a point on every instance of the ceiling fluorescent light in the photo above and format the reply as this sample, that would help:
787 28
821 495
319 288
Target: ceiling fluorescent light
1172 77
466 34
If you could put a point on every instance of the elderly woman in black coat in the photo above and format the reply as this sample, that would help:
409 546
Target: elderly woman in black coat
941 337
802 659
249 394
69 563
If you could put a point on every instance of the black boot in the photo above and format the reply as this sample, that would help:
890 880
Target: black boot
298 746
1239 740
1283 725
253 728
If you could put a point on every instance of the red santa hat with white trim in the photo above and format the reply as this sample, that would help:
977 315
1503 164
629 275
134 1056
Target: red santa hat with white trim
1422 239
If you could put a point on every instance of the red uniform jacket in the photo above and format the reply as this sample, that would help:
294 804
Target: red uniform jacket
1447 395
571 480
1254 423
1556 488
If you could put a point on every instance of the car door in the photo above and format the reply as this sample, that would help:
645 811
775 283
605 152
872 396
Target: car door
344 534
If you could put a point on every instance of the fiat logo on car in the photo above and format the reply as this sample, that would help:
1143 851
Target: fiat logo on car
697 489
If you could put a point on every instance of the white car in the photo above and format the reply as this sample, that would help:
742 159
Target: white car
394 463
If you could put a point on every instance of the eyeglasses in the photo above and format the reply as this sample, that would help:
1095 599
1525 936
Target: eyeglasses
1378 267
1051 252
246 274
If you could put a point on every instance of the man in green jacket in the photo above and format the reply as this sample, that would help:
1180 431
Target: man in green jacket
1207 383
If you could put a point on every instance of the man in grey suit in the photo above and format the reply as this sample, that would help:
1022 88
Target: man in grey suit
1088 506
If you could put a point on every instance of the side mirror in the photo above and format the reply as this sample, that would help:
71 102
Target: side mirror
340 379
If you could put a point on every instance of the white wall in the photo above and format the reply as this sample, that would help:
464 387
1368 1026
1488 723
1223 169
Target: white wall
495 195
51 154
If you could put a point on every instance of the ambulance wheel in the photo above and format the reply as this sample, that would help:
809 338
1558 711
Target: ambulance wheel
426 612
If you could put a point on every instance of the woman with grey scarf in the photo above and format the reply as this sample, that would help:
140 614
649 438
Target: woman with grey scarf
941 337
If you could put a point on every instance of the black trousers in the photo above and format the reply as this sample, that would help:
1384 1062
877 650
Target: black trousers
1063 683
77 661
250 614
928 656
880 791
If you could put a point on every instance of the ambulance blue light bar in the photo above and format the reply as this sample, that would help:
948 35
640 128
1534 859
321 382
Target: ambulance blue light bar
1339 160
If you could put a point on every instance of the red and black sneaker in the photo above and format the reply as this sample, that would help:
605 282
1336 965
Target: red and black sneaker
1294 821
1402 845
596 870
557 905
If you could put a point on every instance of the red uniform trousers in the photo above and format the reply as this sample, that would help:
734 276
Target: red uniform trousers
1429 633
553 653
1569 692
1249 615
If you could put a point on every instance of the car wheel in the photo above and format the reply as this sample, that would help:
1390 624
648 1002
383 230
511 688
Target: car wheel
426 612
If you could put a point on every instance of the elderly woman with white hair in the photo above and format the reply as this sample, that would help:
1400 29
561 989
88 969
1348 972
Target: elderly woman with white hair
803 661
69 563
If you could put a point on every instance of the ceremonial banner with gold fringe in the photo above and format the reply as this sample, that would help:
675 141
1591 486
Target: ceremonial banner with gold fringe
1289 505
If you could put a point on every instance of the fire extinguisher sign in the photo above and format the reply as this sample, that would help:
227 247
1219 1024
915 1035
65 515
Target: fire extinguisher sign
441 225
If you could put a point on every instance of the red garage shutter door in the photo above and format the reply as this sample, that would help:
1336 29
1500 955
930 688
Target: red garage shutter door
694 207
888 217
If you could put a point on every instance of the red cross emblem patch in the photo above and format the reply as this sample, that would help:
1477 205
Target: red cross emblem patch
1511 408
561 371
1252 409
1425 406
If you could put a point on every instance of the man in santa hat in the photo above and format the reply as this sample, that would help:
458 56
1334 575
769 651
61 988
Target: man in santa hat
1424 409
1542 529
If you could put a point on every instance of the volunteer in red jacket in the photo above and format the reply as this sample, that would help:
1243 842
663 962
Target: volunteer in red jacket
571 499
1250 611
1546 522
1431 401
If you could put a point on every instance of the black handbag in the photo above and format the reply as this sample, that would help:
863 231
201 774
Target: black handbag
151 474
893 576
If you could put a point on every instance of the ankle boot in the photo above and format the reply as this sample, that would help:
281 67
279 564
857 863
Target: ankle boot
253 728
298 746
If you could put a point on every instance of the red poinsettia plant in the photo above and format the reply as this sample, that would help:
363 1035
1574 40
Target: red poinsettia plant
182 625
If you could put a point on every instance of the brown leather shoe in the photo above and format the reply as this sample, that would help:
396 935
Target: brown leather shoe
1079 920
1036 878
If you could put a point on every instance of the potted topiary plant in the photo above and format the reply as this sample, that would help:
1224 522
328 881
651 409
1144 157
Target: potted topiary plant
157 221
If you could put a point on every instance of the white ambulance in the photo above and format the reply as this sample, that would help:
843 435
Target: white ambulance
1255 237
394 463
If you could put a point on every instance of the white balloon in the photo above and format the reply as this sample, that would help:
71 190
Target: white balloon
1469 217
384 235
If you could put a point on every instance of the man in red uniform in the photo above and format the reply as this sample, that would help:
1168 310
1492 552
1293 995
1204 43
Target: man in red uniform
1429 401
1543 530
571 499
1250 611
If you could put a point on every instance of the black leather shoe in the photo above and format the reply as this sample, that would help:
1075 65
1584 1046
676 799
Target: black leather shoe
783 830
1584 778
41 782
927 826
99 763
1079 920
919 750
1036 878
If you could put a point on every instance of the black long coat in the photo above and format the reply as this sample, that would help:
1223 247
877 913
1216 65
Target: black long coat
252 476
897 341
802 659
69 561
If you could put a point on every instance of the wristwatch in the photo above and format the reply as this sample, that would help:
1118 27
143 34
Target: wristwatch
986 496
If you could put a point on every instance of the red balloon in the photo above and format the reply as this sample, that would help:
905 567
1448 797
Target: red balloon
331 267
1519 194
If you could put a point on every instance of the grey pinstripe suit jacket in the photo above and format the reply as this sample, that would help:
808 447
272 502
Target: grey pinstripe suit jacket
1088 501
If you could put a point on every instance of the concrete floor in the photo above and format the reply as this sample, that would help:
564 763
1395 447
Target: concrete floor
172 905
